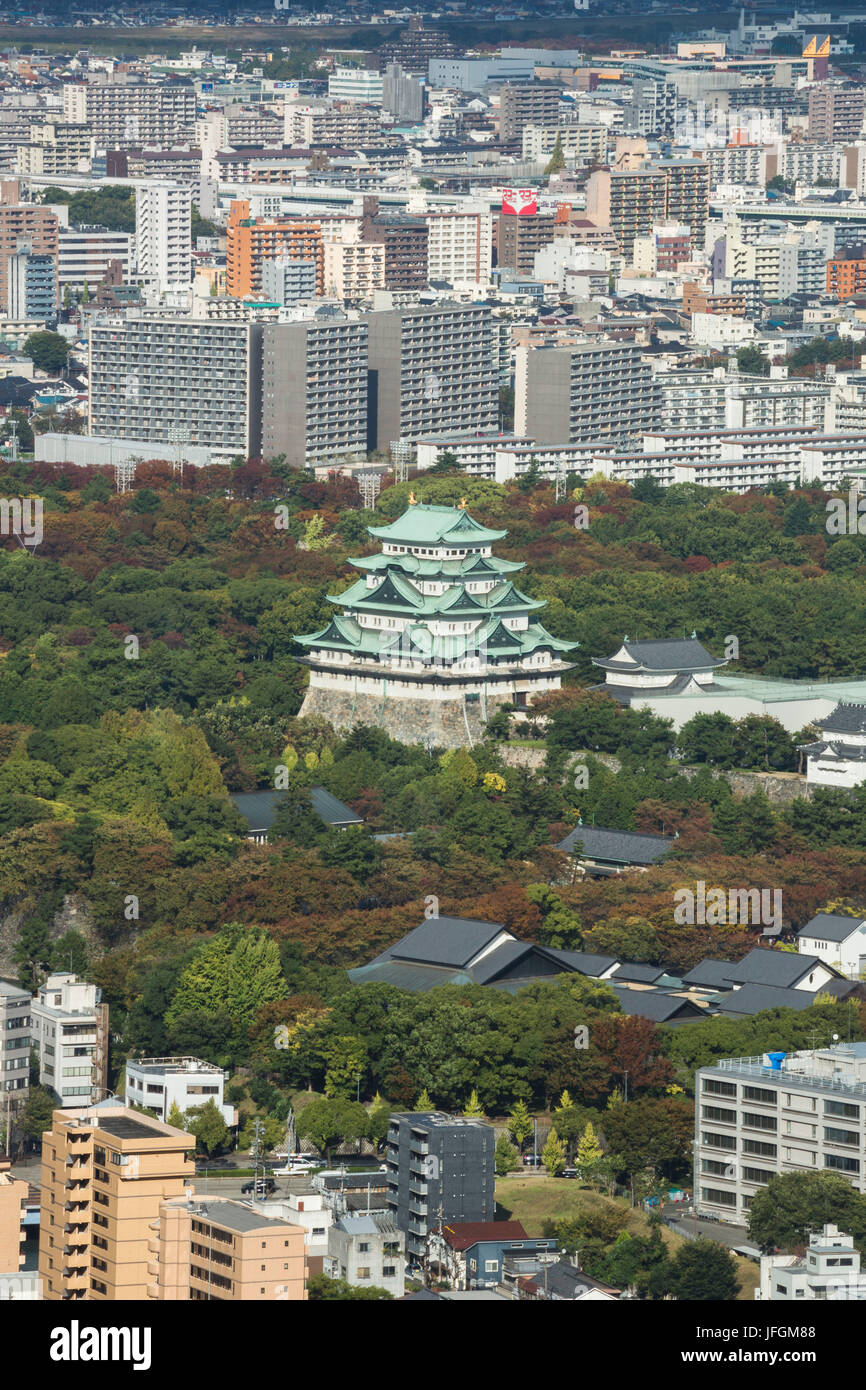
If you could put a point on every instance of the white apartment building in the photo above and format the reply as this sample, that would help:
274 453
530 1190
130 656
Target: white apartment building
187 1082
330 123
717 331
353 270
757 1117
459 246
15 1024
121 114
70 1033
368 1251
738 164
163 222
85 253
581 143
829 1270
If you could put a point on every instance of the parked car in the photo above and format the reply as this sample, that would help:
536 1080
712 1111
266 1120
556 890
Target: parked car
297 1163
532 1160
263 1187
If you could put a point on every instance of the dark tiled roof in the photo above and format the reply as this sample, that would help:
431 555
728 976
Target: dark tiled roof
259 809
460 1235
831 926
584 962
661 1008
751 999
616 846
445 941
844 719
663 655
781 969
710 974
640 974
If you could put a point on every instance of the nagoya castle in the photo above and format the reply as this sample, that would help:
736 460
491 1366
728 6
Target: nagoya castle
433 636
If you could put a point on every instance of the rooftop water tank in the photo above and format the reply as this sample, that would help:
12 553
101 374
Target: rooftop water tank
776 1059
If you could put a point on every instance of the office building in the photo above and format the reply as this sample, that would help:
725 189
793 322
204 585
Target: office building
431 369
15 1032
132 114
836 113
591 391
85 253
163 236
70 1034
402 94
212 395
158 1083
459 247
28 223
286 280
32 287
314 390
368 1251
355 84
757 1117
216 1248
525 104
519 237
440 1168
106 1172
250 241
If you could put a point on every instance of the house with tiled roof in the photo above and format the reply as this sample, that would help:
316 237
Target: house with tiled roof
838 757
838 939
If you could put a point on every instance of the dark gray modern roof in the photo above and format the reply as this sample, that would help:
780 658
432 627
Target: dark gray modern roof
640 974
232 1215
616 846
444 941
832 926
657 1006
710 974
664 655
845 719
564 1281
751 999
781 969
584 962
259 809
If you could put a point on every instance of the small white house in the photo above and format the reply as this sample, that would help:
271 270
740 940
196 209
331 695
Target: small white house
837 940
187 1082
830 1269
838 758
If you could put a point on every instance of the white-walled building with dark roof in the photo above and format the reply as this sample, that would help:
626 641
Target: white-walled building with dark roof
838 940
838 757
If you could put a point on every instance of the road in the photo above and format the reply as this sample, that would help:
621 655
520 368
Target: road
681 1220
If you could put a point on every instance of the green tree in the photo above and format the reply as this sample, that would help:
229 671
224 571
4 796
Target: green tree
556 163
553 1154
505 1156
329 1123
176 1117
237 972
791 1204
49 352
520 1124
589 1153
321 1288
345 1062
702 1271
36 1113
379 1116
212 1134
473 1109
423 1103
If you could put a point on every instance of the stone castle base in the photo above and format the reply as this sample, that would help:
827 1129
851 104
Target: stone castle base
444 723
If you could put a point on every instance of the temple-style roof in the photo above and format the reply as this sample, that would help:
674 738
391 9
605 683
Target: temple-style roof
467 567
844 719
661 656
417 642
424 524
396 594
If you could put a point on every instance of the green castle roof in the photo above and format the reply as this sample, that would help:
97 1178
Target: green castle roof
396 594
424 524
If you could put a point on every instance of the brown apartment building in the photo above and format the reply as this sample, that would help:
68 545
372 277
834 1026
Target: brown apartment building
516 238
525 104
216 1248
106 1170
405 242
836 113
846 278
24 222
252 240
13 1194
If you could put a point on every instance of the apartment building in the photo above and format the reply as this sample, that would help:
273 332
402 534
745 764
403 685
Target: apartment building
25 222
518 238
405 240
286 281
106 1172
630 201
212 394
440 1168
253 240
57 147
757 1117
70 1034
664 250
355 84
330 123
215 1248
431 370
121 114
738 164
591 391
33 287
581 143
314 390
402 94
836 113
163 235
15 1036
159 1083
353 270
524 104
845 278
459 247
13 1195
368 1251
85 253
